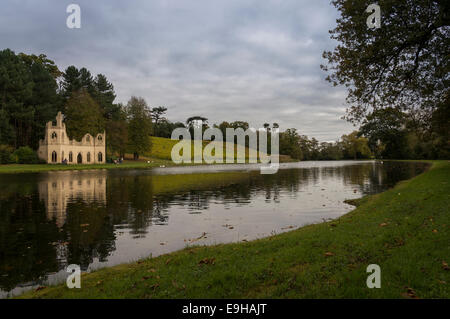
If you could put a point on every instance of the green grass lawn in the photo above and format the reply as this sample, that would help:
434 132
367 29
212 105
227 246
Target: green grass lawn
405 230
32 168
162 148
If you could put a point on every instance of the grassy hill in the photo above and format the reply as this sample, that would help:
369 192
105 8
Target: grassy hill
162 147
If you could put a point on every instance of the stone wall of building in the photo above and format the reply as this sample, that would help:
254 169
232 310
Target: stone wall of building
56 146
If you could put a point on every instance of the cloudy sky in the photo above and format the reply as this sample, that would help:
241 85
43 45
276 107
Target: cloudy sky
252 60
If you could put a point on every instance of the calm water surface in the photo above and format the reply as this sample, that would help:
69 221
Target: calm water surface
102 218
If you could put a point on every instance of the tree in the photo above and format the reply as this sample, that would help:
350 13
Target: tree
386 126
71 81
330 151
289 144
75 80
16 87
158 118
404 64
83 115
165 128
42 59
355 147
196 121
28 97
139 126
104 95
117 133
44 100
158 114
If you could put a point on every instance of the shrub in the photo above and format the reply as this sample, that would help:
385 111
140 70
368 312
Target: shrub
25 155
6 154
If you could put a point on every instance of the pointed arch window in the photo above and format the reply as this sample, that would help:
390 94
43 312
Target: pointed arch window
54 135
70 157
88 157
100 157
54 157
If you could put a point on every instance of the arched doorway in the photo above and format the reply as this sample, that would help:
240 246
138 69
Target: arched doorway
100 157
79 158
54 157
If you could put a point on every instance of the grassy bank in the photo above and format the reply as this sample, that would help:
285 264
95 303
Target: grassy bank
33 168
405 230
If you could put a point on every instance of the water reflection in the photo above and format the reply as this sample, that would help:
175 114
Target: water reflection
59 188
102 218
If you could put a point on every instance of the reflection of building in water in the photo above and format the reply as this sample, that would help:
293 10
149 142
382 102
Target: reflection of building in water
57 189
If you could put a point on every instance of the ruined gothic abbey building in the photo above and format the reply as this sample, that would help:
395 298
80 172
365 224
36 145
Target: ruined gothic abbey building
57 147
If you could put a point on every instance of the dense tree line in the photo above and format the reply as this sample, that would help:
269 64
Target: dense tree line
300 147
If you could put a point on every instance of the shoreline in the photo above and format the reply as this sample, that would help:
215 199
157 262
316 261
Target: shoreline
315 261
127 164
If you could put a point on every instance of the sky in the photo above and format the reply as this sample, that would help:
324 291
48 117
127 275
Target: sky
251 60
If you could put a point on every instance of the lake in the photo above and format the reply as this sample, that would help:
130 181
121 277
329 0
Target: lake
98 218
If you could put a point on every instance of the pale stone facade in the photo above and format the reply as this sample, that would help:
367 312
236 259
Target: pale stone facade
56 146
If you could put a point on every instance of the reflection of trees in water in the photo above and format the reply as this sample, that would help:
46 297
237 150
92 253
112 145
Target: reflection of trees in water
373 178
26 237
88 233
241 193
135 206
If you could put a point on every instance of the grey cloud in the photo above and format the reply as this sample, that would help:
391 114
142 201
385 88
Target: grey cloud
224 59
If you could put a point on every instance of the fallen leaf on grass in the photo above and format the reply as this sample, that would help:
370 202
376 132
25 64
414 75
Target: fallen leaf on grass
445 266
383 224
435 230
145 278
410 293
152 270
168 261
329 253
198 238
207 261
